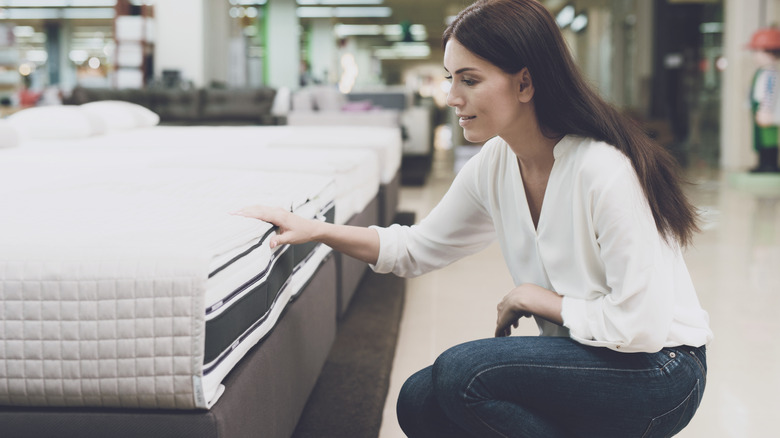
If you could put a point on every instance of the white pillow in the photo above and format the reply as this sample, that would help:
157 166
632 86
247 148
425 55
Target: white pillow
98 123
119 114
52 122
8 136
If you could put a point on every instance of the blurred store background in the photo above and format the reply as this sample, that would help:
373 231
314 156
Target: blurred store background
680 67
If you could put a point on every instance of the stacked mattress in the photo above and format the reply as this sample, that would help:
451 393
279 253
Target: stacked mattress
359 167
132 302
126 286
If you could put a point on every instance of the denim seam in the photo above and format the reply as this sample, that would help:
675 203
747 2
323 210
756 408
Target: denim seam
471 382
686 401
660 367
468 405
483 421
698 362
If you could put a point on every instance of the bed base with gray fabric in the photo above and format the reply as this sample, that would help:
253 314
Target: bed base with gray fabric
381 211
265 393
351 270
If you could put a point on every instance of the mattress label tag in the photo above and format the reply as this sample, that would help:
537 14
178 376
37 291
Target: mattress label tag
197 385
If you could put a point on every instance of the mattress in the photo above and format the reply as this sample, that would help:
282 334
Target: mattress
385 143
129 287
356 172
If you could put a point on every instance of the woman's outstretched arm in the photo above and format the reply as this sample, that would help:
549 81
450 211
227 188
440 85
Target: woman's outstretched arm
358 242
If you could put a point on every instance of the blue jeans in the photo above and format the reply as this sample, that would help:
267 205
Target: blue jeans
552 387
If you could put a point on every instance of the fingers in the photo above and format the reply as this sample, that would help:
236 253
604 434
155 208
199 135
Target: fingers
272 215
503 330
281 238
267 214
291 229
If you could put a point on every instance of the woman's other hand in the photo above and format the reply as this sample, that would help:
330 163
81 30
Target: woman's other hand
293 229
524 301
509 313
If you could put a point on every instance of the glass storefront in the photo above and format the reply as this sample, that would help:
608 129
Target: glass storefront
688 69
662 63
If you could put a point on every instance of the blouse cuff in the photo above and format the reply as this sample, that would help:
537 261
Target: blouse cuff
574 313
385 262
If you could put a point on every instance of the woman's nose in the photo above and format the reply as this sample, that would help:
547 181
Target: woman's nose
453 99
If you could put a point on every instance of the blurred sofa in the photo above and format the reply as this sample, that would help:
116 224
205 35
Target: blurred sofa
194 106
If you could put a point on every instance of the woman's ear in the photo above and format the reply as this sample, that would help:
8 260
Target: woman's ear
525 85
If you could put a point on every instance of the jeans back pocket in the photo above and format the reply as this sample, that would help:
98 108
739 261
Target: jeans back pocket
670 423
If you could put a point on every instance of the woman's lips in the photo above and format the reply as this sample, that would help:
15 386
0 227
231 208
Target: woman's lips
464 120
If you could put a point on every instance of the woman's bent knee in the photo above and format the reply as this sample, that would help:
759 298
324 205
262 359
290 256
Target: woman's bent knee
413 400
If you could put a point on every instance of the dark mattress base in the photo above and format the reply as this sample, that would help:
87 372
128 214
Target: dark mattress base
264 396
351 270
380 211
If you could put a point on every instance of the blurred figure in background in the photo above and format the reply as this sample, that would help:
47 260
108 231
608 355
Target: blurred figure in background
764 95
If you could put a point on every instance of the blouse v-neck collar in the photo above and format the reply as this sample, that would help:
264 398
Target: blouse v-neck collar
560 149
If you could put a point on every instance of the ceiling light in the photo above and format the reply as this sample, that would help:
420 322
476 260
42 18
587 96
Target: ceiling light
32 13
78 56
37 56
393 31
579 22
417 31
24 31
345 30
25 69
339 2
343 12
59 13
403 51
565 16
57 3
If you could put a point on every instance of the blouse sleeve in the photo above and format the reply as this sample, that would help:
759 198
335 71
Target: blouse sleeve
458 226
634 312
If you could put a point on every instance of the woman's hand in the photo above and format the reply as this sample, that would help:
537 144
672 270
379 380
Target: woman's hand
292 228
509 314
524 301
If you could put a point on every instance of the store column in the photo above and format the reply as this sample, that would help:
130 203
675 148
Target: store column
323 51
192 38
742 18
61 72
282 44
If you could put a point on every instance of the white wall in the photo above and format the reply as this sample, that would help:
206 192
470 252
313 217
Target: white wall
741 20
180 39
283 48
217 45
323 51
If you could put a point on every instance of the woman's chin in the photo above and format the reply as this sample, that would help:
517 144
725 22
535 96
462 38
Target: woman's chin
475 137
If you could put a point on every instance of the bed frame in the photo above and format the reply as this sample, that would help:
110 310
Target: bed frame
265 393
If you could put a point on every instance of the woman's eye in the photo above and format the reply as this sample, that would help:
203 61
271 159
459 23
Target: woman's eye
448 77
469 82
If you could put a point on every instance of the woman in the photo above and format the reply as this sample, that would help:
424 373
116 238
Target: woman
591 219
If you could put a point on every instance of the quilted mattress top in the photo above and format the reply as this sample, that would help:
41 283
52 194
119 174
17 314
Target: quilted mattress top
103 275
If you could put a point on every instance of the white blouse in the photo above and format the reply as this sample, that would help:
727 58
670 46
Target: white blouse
624 287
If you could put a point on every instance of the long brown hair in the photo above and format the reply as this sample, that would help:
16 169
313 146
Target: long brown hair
515 34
